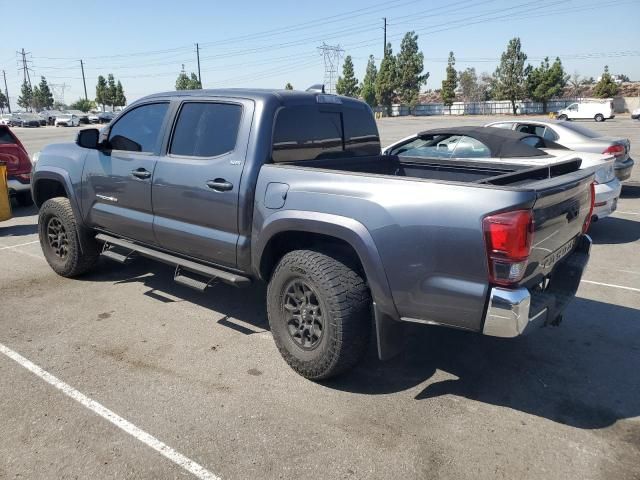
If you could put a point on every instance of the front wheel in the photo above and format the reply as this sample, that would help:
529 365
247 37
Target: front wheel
599 118
562 117
319 311
60 239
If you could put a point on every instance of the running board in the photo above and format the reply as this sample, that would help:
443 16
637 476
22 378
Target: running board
181 264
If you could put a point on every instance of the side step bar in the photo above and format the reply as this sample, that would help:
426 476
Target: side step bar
181 264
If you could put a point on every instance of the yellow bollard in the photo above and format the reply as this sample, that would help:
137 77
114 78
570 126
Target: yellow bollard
5 202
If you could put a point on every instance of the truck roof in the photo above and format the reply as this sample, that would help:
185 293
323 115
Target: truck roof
257 94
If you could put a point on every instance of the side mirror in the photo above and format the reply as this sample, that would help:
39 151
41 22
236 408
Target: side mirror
88 138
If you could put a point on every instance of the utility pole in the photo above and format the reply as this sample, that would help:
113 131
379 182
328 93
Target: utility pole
25 68
6 90
384 52
84 82
198 57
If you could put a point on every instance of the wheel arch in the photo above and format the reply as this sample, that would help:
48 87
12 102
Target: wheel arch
289 230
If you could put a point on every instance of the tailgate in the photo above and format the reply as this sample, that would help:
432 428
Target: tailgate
559 213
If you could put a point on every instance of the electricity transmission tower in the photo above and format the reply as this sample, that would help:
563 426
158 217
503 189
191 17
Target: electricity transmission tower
332 54
57 90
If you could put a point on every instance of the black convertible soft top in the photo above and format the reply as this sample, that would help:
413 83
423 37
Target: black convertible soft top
501 142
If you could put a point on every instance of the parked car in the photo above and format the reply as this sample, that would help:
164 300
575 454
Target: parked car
50 115
83 117
635 115
577 137
29 120
94 117
106 117
15 156
290 188
487 145
67 120
8 119
598 111
42 118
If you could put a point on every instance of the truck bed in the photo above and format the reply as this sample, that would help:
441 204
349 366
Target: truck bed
468 171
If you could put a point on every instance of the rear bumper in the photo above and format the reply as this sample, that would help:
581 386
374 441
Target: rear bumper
623 169
512 311
16 186
606 198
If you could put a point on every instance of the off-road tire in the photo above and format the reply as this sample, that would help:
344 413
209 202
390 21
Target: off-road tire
77 260
344 299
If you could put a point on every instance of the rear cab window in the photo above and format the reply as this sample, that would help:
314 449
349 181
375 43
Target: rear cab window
309 132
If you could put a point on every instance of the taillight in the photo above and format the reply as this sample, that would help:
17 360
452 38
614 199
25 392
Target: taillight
587 221
615 150
508 239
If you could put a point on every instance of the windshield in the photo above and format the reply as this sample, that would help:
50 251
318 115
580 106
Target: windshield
581 130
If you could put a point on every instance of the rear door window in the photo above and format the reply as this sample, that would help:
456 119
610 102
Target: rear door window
206 129
139 129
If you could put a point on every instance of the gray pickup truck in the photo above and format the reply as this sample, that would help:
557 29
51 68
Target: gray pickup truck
291 188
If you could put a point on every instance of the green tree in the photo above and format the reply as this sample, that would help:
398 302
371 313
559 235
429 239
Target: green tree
409 66
606 87
184 82
111 90
121 100
102 92
25 99
347 84
44 97
450 83
510 75
469 87
288 86
83 105
387 80
368 86
546 81
4 103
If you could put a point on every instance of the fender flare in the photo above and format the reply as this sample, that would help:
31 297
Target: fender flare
344 228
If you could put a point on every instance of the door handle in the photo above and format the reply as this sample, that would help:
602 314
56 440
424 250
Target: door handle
220 185
141 173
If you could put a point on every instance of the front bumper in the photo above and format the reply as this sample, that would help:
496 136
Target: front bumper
623 169
511 311
606 198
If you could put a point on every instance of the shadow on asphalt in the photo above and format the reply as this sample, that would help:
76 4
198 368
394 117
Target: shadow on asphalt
614 230
582 373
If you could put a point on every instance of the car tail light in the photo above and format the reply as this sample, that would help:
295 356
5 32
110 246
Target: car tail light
508 239
615 150
587 221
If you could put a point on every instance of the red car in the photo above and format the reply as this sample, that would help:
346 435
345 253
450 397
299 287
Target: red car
13 153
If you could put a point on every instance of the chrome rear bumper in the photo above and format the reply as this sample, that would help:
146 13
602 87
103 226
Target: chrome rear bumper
511 311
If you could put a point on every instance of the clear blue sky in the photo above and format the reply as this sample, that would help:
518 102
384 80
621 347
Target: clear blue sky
253 43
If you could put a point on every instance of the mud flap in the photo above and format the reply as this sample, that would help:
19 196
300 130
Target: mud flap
390 334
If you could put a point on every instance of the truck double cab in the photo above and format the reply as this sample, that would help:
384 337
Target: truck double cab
291 188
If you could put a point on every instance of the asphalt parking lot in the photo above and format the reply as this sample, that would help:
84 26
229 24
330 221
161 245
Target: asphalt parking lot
201 373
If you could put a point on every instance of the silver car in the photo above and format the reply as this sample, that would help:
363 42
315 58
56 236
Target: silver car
576 137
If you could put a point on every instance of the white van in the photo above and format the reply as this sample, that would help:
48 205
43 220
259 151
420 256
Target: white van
599 111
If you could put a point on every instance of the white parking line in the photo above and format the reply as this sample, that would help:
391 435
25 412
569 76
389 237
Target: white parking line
19 245
197 470
611 285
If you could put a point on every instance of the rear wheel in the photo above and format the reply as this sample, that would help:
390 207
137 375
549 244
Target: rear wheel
562 117
599 118
319 313
60 239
